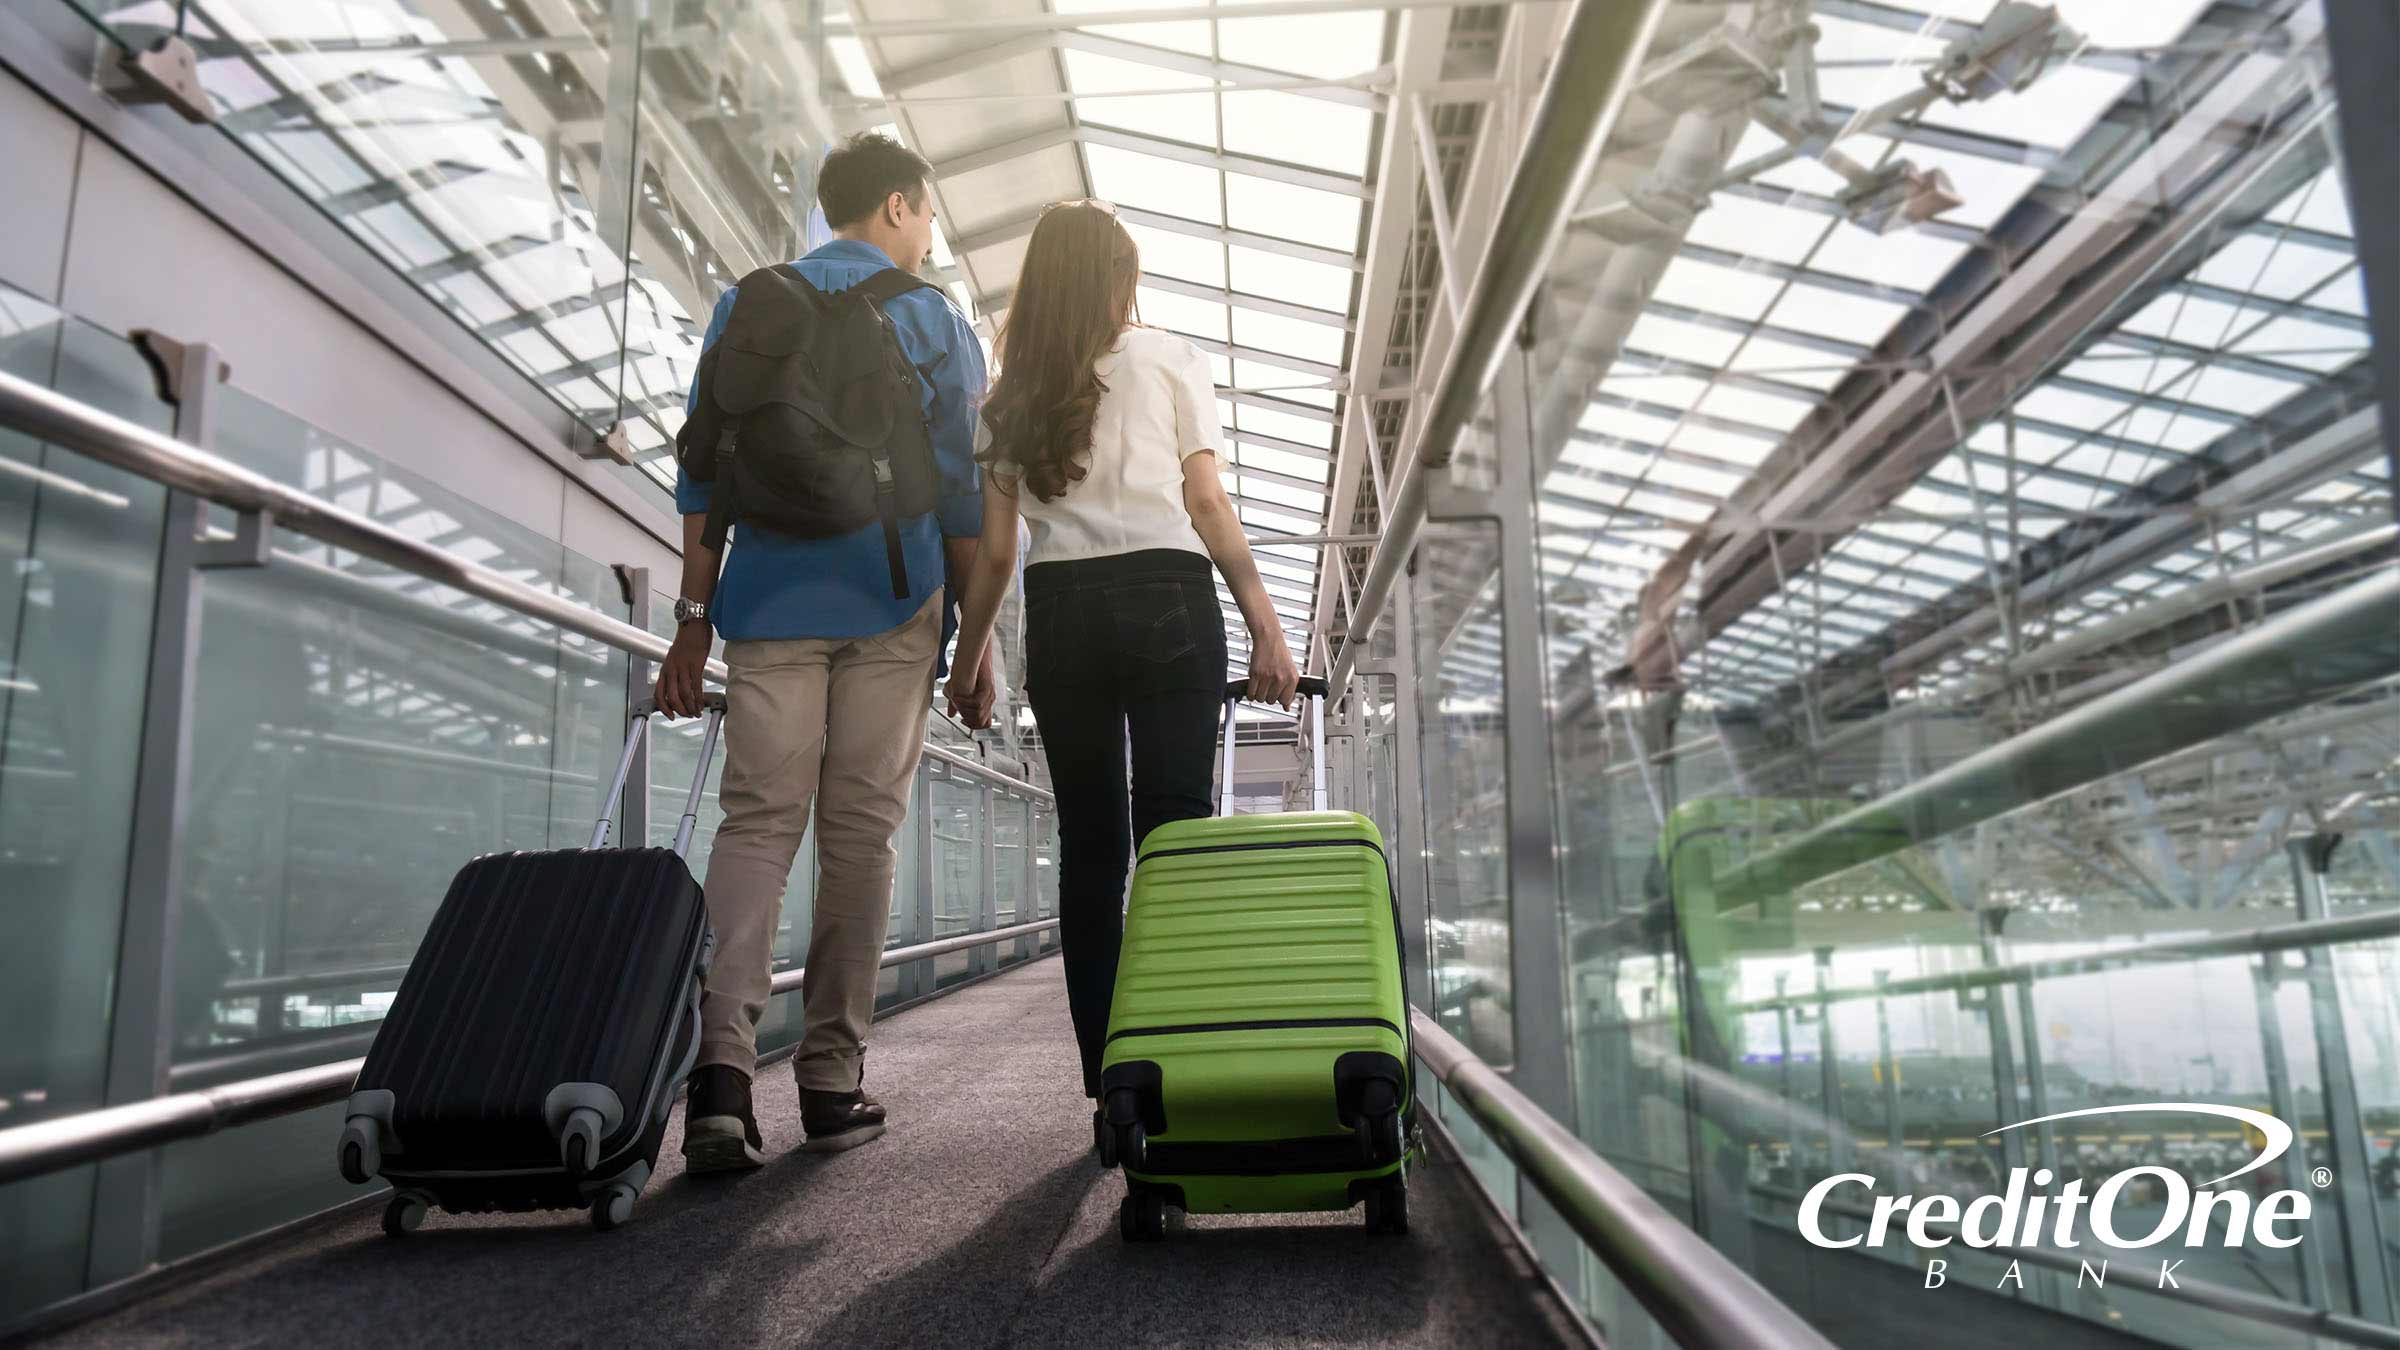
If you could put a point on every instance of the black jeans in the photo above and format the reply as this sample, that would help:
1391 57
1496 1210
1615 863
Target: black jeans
1121 653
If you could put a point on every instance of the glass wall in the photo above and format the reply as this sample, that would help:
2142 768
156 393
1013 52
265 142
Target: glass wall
357 733
1969 663
574 184
81 544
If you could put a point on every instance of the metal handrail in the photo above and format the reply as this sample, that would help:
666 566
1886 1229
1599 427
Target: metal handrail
1698 1295
47 415
1591 75
112 1131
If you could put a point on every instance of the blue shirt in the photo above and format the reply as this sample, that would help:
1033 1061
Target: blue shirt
777 586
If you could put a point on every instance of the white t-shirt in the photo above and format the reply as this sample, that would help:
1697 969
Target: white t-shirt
1160 405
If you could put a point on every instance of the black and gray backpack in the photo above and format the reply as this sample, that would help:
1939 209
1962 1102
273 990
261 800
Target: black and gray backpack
810 421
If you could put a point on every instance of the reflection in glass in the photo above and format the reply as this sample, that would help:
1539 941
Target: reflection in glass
74 659
1925 636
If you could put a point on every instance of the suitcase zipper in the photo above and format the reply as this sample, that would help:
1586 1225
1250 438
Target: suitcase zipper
1277 1024
1264 845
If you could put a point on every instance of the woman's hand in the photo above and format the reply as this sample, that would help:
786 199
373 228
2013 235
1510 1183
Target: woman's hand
1273 677
971 693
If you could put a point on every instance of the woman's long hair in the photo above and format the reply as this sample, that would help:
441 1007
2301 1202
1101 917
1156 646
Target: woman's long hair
1073 297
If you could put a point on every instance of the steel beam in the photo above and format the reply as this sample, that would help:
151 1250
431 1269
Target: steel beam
2365 42
2306 655
2191 158
1592 71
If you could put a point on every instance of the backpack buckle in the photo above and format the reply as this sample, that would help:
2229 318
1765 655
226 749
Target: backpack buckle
883 475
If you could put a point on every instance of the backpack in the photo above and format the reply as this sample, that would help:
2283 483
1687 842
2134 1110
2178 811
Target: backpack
810 421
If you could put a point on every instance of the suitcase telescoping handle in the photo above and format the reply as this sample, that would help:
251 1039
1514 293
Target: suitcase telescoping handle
1311 686
712 717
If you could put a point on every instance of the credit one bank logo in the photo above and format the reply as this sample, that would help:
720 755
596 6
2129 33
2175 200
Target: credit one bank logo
2029 1212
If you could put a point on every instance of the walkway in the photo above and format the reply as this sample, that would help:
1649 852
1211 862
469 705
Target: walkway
981 1220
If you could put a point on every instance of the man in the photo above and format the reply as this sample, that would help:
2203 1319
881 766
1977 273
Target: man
832 674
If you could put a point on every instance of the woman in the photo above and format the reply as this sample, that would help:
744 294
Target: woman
1104 437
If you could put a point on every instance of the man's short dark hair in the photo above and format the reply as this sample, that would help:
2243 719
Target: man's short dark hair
863 172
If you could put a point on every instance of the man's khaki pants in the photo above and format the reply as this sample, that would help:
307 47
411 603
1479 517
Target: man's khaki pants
840 721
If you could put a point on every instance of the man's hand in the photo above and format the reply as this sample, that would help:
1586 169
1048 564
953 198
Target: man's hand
681 674
1273 677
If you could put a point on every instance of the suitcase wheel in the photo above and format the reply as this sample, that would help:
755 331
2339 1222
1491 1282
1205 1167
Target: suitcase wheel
358 1166
613 1207
1378 1125
361 1148
1387 1208
1142 1217
404 1212
579 1142
1124 1141
1131 1145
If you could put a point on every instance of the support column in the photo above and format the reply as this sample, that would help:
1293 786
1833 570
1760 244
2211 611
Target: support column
1829 1072
1029 899
633 808
1994 1000
126 1197
1538 1000
916 978
1408 797
1888 1069
2364 39
2281 1103
986 959
2345 1124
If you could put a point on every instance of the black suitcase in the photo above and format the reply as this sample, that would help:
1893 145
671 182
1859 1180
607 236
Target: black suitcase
535 1046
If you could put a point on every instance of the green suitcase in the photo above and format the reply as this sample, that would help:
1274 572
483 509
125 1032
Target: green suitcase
1258 1051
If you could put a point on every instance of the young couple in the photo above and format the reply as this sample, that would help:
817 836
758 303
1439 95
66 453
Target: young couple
1103 437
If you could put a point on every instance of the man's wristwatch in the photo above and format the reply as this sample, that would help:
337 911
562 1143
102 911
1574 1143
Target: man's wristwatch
690 611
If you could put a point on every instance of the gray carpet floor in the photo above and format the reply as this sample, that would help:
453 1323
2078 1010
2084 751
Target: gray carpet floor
980 1220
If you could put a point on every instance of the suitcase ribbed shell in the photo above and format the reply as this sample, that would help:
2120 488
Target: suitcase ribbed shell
540 969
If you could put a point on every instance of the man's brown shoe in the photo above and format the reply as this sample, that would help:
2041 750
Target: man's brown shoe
839 1120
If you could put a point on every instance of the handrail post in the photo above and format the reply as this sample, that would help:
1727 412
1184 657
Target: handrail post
633 806
917 977
127 1197
2345 1124
983 960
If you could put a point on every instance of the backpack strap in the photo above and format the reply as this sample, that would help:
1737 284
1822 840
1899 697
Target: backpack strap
890 284
720 515
881 289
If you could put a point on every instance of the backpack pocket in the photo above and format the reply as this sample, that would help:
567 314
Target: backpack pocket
811 484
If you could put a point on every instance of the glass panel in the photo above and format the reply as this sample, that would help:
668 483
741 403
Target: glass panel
1893 728
358 733
495 181
574 186
81 544
1465 788
725 180
1010 840
957 869
1045 875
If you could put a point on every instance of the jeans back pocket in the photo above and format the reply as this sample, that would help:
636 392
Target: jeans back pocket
1153 620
